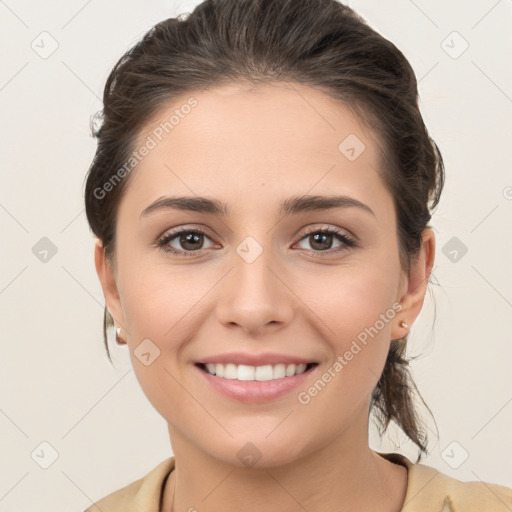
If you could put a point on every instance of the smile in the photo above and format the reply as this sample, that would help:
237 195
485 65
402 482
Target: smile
255 373
255 384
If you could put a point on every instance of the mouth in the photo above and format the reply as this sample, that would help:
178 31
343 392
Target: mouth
242 372
255 384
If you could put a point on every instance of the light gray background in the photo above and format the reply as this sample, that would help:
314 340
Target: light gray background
57 385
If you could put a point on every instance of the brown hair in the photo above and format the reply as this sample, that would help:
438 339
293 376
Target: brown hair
318 43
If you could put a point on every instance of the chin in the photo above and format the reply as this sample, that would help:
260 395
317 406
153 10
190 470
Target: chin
260 452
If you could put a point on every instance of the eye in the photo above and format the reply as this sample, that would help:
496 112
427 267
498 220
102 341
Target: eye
321 240
190 240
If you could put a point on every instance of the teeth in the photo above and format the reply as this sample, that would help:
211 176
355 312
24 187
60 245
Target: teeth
261 373
290 370
242 372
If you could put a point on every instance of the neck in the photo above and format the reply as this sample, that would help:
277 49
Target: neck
342 476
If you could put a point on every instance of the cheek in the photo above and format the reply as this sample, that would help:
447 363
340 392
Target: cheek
162 300
162 312
343 306
356 315
352 298
355 309
166 306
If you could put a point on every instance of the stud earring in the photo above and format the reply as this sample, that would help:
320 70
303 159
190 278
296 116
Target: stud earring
404 325
119 339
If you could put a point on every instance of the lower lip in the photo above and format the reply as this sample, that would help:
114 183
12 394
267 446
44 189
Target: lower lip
253 391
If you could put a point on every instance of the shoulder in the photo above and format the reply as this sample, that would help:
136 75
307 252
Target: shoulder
117 500
429 489
142 495
434 488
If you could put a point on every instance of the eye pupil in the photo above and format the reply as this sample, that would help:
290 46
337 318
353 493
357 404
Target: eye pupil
190 238
317 240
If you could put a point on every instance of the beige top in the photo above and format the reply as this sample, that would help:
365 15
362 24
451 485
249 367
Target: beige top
428 490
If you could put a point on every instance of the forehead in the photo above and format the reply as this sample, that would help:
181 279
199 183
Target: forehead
234 139
269 114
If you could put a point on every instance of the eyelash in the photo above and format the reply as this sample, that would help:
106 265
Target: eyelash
348 241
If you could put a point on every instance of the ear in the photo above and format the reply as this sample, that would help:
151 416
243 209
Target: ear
107 279
415 287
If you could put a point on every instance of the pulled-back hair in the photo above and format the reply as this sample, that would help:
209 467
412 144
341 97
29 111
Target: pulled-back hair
318 43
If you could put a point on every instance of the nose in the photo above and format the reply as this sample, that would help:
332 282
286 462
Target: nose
254 296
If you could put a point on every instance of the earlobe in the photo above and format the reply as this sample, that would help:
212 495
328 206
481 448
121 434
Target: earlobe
414 296
108 283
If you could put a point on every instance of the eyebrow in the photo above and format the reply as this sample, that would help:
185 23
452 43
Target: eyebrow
290 206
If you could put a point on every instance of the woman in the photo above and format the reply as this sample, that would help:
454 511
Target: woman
260 195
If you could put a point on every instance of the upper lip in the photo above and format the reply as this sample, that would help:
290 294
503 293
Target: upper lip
254 359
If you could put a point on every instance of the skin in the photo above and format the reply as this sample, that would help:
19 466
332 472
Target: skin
252 148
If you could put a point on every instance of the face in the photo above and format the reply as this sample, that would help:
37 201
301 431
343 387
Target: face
259 285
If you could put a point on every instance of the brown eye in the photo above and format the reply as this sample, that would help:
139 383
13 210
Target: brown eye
190 241
321 240
186 242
